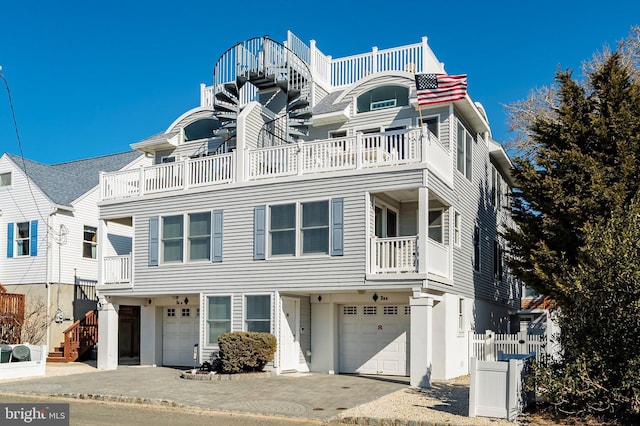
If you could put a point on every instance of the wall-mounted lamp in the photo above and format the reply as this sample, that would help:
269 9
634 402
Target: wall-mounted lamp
186 301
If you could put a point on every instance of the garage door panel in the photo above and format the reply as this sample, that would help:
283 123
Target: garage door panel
374 339
179 335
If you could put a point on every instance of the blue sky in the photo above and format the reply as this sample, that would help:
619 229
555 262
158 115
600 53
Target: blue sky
89 78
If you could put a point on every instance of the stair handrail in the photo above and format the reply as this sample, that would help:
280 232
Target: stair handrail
72 338
274 136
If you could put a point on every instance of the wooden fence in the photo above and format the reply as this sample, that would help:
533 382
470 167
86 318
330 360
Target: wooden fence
11 316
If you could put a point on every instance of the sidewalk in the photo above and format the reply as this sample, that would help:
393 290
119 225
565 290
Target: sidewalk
315 396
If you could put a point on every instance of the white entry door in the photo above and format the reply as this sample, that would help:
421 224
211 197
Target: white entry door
289 334
179 335
374 339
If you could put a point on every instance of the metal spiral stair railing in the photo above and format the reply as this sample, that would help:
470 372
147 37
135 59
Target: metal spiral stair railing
265 64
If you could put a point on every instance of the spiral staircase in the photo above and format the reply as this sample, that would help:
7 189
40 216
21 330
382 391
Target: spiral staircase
261 65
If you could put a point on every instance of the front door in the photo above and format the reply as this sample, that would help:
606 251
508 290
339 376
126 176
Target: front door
289 338
129 334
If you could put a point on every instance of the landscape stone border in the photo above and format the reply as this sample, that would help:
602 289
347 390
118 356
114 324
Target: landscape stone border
215 377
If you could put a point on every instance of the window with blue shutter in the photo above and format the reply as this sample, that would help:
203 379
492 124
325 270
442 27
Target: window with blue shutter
34 238
153 240
9 240
259 232
216 241
337 227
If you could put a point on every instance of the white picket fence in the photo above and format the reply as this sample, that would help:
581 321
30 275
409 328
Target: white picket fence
485 346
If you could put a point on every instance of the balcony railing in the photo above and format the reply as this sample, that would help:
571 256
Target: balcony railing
117 270
363 151
394 255
398 255
167 177
355 152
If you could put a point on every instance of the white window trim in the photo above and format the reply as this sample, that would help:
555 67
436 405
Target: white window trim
185 238
206 317
457 228
426 117
10 173
467 134
385 206
298 230
244 310
93 244
442 210
16 239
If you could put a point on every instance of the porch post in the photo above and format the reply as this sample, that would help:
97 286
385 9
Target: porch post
107 335
423 228
421 350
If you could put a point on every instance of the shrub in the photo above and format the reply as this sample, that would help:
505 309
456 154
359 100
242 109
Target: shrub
244 351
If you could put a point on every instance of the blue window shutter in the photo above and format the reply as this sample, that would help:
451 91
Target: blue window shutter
259 232
9 240
33 244
217 227
337 227
153 240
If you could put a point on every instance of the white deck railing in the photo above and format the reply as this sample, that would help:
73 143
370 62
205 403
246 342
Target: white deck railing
355 152
438 255
394 255
340 72
216 169
117 269
347 153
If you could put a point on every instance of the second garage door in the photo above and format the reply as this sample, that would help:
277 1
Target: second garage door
374 339
179 334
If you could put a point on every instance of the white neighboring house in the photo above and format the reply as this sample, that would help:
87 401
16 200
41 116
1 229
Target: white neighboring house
48 233
311 197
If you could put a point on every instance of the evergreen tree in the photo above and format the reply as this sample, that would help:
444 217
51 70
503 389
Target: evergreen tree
585 167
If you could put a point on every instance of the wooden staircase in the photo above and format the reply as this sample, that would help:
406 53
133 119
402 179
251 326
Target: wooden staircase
81 336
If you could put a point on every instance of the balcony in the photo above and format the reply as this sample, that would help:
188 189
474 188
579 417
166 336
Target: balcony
117 271
399 255
370 151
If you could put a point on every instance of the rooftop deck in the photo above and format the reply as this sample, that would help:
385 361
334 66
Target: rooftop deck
371 151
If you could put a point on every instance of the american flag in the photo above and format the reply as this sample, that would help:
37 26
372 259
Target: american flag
438 88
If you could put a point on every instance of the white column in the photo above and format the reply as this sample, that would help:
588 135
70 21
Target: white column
423 228
107 335
421 341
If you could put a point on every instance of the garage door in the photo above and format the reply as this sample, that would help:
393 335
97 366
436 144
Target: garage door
374 339
179 334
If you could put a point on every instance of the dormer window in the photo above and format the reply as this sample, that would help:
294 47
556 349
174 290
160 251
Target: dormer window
382 98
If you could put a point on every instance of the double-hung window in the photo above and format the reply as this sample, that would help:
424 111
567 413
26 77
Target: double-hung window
199 236
257 315
436 225
464 152
22 239
218 317
89 242
457 229
308 222
172 239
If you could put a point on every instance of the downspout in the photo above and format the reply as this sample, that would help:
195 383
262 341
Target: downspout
47 273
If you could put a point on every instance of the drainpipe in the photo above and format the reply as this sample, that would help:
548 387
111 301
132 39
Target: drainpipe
47 273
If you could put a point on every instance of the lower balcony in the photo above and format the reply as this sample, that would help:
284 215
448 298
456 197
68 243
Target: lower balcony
116 271
399 255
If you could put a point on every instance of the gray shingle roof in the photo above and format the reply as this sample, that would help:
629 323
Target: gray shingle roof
327 105
64 182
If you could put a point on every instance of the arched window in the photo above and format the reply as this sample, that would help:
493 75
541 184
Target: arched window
382 98
200 129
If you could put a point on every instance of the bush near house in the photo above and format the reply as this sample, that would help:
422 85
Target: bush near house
244 351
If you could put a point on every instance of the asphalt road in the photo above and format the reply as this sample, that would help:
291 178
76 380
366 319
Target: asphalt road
83 412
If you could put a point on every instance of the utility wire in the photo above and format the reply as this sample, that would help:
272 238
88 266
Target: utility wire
24 163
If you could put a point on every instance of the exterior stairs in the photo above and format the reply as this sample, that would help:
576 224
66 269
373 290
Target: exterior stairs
258 65
81 336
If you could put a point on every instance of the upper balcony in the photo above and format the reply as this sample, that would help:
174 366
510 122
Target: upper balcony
378 151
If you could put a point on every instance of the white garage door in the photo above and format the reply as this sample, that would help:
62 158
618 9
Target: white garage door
179 334
374 339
